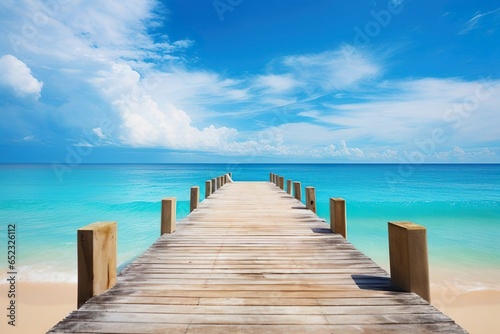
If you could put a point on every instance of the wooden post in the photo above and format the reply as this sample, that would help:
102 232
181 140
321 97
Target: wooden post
289 186
96 259
214 186
168 211
222 179
270 177
311 199
195 198
208 188
408 258
230 175
281 182
297 190
338 221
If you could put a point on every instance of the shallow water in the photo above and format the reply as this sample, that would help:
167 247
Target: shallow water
459 205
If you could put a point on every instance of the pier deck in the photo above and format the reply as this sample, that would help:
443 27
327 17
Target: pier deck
252 259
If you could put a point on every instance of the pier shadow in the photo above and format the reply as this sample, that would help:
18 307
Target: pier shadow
373 282
321 230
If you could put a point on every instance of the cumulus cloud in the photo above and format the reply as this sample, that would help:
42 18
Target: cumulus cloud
16 76
147 122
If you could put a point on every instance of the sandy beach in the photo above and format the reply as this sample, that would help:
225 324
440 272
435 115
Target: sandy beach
40 306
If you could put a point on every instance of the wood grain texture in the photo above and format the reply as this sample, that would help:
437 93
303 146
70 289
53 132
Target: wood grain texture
252 259
96 259
408 257
194 198
311 199
168 215
338 219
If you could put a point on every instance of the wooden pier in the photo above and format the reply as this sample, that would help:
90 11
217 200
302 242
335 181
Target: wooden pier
251 258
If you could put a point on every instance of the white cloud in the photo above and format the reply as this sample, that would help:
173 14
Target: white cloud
141 83
149 122
474 22
29 138
342 150
331 70
403 111
98 132
15 75
276 83
459 154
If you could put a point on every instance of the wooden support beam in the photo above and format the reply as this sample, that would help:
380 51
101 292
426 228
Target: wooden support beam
194 199
297 190
214 185
208 188
289 186
408 258
281 182
168 215
338 220
311 199
96 259
270 177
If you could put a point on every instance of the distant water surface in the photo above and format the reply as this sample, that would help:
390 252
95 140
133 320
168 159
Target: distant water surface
459 205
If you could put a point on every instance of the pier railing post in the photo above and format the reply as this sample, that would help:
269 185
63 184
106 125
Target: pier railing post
270 177
297 190
194 199
289 186
311 199
338 221
208 188
168 215
214 186
408 258
96 259
281 182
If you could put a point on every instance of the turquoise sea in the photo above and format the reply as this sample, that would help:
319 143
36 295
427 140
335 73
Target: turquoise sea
459 205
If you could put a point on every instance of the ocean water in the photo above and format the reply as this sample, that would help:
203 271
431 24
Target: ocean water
458 204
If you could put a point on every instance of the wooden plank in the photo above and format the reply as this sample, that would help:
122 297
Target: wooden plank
261 309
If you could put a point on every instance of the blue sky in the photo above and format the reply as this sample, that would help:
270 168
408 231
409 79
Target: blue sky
249 81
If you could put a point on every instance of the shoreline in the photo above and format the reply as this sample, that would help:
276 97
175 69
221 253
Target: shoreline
40 306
